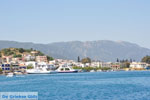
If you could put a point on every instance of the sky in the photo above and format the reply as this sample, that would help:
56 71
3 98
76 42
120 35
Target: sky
47 21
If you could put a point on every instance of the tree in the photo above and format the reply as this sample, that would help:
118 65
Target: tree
131 60
30 66
21 50
50 58
86 60
127 64
146 59
1 71
126 60
40 53
78 59
17 56
117 60
31 49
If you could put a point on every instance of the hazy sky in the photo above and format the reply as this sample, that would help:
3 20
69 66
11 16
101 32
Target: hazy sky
46 21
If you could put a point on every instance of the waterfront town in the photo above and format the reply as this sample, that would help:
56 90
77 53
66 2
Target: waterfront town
29 61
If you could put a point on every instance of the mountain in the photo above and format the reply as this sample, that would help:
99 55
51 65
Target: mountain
103 50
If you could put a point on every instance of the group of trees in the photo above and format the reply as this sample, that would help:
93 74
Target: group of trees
124 60
146 59
50 58
7 52
84 60
17 56
1 71
124 63
92 68
30 66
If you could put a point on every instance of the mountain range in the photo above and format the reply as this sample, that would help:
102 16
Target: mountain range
103 50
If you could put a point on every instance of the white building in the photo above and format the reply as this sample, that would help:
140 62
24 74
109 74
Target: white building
138 65
95 64
105 64
29 58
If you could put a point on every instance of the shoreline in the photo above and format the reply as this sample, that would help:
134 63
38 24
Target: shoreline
82 72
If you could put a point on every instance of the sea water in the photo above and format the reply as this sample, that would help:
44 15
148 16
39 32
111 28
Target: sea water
132 85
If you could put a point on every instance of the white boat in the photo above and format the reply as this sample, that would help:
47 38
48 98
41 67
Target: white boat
92 71
41 68
99 70
38 71
66 69
53 72
10 75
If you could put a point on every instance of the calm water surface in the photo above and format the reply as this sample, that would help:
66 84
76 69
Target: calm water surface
83 86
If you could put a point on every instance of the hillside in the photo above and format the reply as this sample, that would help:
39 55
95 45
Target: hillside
19 52
103 50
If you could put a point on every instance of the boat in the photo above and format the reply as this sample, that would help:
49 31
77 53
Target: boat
10 75
40 71
18 73
66 69
99 70
41 68
92 71
37 71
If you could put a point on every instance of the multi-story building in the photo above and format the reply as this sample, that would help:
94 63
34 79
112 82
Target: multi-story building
6 59
105 64
29 58
95 64
41 59
6 67
34 53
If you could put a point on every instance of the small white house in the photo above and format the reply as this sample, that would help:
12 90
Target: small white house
105 64
29 57
95 64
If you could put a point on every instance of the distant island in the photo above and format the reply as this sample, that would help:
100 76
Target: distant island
26 61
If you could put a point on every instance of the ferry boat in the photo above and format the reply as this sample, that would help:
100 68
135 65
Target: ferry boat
41 69
66 69
10 75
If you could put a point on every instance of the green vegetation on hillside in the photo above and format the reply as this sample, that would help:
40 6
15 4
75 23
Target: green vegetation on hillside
1 71
146 59
92 68
86 60
50 58
18 53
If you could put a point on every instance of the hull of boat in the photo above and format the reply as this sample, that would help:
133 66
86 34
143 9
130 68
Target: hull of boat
10 75
37 72
68 72
53 72
41 72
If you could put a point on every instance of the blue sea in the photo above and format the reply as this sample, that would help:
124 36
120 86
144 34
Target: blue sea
132 85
